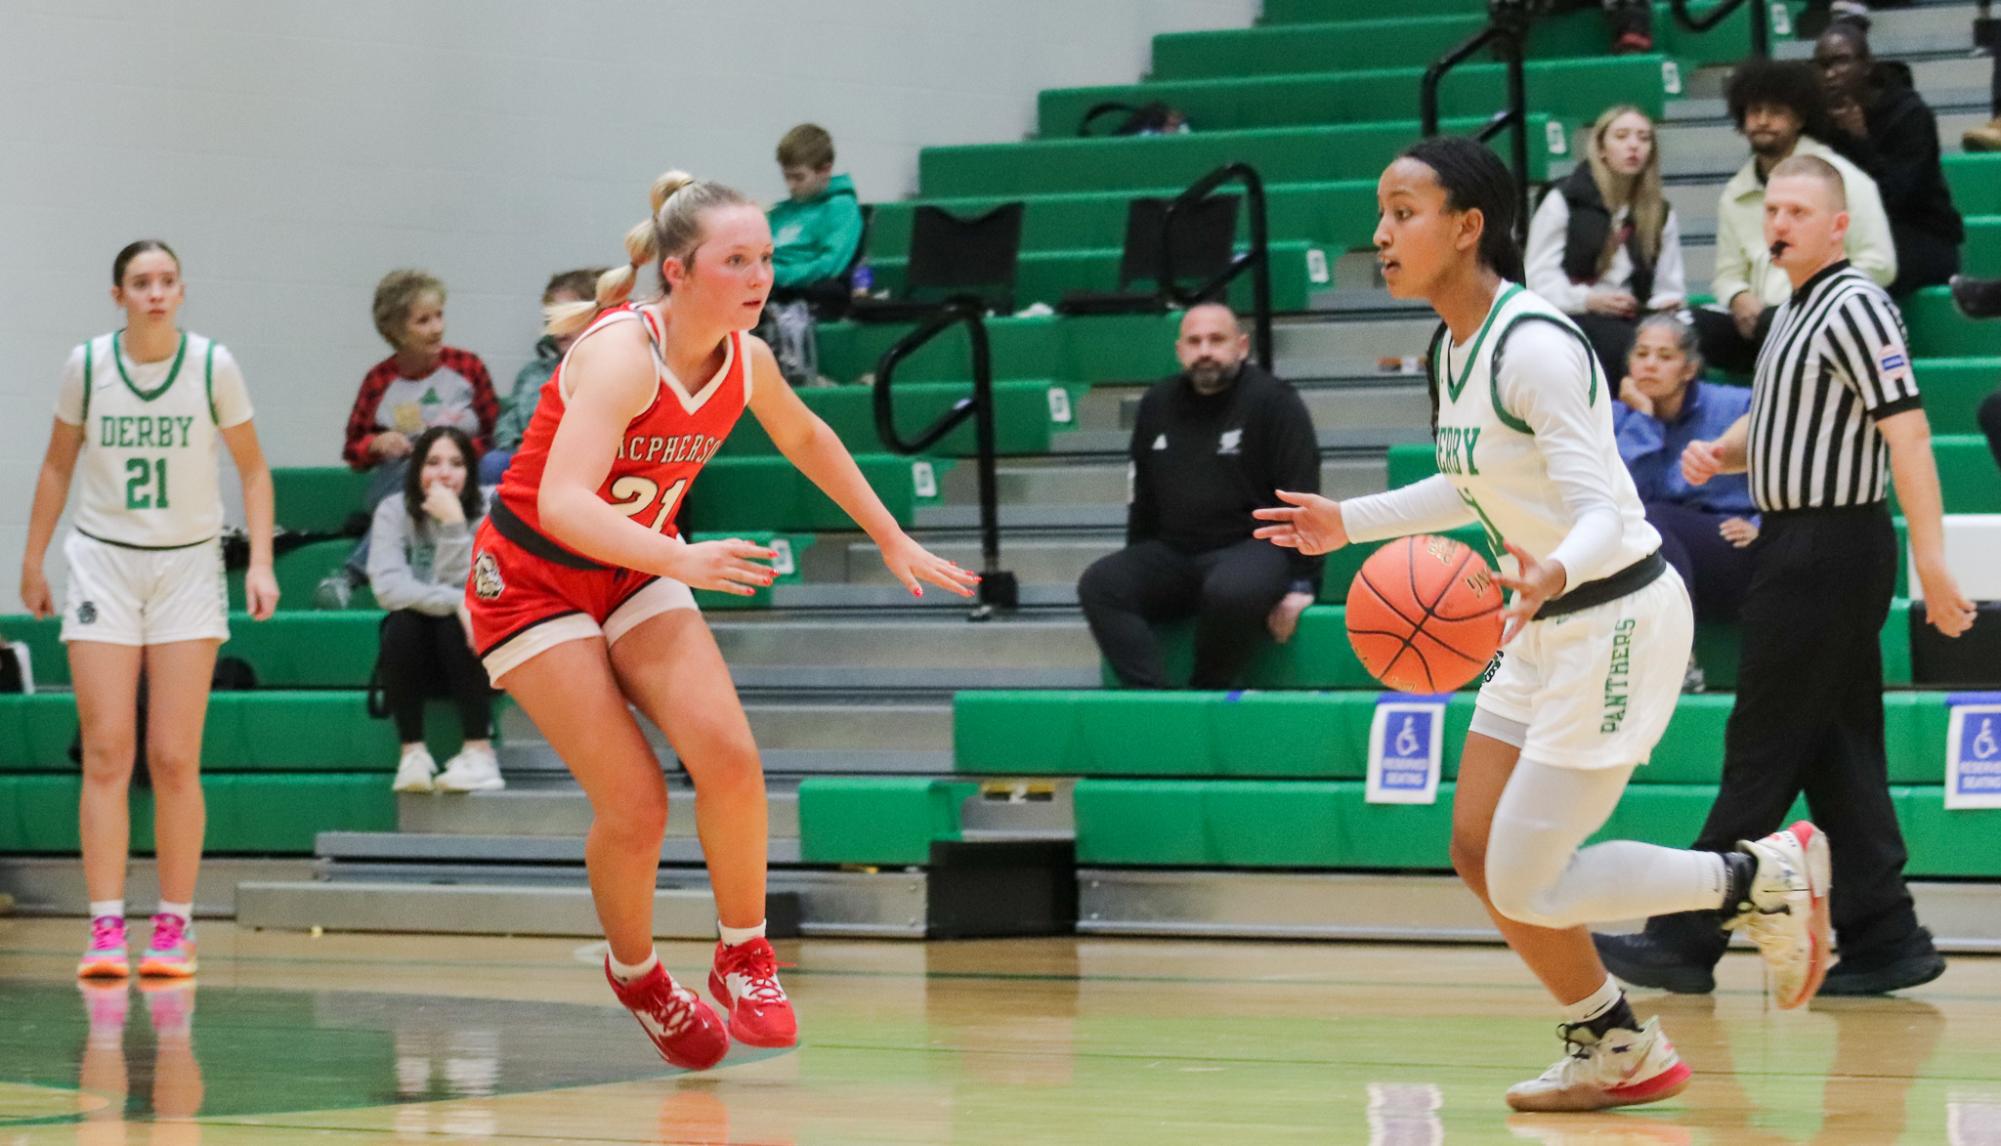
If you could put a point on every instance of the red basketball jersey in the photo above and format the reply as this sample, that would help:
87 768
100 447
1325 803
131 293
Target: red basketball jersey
661 451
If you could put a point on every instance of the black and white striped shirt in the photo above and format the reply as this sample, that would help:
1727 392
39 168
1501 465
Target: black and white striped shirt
1836 361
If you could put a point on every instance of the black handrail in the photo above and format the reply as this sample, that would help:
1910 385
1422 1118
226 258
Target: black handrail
1761 33
1257 259
998 589
1507 30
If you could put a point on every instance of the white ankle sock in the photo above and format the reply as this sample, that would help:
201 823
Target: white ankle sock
630 972
185 910
1593 1005
99 908
732 936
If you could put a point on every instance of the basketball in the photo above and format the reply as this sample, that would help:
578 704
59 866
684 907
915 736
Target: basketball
1424 614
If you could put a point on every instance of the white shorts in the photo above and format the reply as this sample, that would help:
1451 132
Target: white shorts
661 595
125 596
1595 688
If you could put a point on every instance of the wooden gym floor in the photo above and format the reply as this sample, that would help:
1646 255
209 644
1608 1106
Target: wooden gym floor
418 1039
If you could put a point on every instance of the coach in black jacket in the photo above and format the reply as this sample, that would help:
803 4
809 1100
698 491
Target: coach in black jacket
1209 446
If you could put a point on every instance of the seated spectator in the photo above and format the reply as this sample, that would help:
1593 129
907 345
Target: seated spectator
1208 447
418 561
566 287
1706 530
1629 23
423 383
1778 108
815 234
1605 245
1886 129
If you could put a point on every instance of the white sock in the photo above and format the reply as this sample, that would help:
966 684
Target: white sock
1593 1005
630 972
732 936
99 908
185 910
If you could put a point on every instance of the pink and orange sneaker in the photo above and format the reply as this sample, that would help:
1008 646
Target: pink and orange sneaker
105 958
171 953
745 981
683 1028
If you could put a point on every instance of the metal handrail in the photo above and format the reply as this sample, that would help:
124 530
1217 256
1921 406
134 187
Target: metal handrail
998 588
1507 29
1257 259
1761 32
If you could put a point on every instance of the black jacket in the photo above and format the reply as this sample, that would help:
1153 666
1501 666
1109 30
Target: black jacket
1590 229
1901 154
1201 464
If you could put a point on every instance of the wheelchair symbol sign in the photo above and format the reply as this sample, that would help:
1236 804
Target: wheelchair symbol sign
1973 757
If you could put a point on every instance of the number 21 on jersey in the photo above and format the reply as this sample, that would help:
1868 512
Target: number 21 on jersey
632 496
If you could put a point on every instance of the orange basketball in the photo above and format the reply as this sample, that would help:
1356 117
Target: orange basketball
1424 614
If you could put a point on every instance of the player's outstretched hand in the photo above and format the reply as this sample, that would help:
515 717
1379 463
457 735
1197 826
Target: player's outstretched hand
732 566
35 593
1701 461
1534 585
260 592
1306 522
913 564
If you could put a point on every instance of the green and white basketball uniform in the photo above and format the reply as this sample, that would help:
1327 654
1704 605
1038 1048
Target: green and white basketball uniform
145 556
1525 447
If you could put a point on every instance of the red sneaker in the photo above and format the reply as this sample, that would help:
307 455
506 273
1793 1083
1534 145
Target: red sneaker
745 981
683 1028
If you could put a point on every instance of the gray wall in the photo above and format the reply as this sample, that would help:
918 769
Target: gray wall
295 151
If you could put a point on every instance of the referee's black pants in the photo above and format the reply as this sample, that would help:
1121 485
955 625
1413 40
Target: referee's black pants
1809 718
1230 591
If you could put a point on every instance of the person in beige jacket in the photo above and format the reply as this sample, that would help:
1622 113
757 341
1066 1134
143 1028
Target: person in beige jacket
1777 106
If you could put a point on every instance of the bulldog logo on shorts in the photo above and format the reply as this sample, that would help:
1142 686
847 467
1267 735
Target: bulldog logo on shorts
486 582
86 613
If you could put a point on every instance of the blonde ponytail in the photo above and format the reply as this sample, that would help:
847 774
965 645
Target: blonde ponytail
672 231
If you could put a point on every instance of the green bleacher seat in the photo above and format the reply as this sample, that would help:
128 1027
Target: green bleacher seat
1570 90
1981 253
871 820
1046 276
299 571
1953 389
1024 417
1130 347
1976 189
248 814
1320 736
264 730
1328 11
1938 330
752 493
1366 38
758 493
1281 155
1339 215
317 499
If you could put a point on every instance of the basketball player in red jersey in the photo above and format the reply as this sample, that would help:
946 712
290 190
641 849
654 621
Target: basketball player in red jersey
579 599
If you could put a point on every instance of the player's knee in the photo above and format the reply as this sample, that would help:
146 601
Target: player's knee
108 760
172 769
728 767
637 824
1101 586
1518 895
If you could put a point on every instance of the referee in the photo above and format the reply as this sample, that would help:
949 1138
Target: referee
1835 417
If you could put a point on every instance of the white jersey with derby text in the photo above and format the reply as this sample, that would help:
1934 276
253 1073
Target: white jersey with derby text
1488 450
148 473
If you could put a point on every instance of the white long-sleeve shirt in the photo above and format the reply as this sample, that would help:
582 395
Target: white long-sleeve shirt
1525 447
1549 229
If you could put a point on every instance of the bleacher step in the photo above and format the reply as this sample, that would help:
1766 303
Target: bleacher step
460 848
556 810
470 908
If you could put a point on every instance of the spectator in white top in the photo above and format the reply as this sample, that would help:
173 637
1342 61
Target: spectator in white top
1779 108
1605 246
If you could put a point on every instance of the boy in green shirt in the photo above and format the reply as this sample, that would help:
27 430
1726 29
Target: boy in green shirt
817 230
